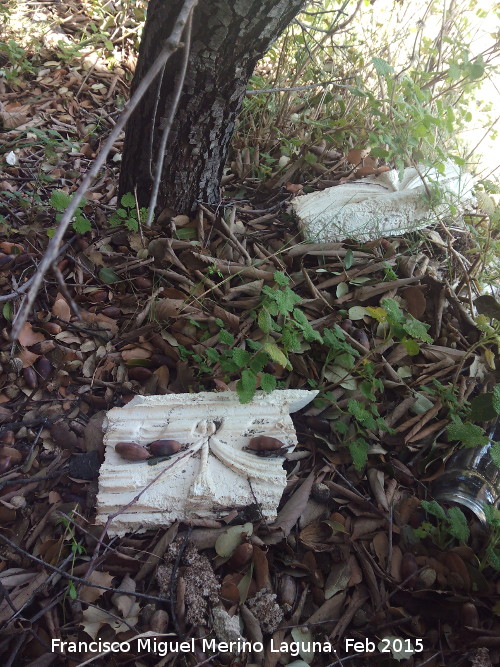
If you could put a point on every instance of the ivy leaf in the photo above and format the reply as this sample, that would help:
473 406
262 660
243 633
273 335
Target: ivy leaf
469 435
128 200
268 383
359 453
457 524
246 386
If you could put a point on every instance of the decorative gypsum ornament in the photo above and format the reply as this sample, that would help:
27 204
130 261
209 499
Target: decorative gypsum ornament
212 474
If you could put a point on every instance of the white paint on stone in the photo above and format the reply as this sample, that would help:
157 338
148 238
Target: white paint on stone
212 474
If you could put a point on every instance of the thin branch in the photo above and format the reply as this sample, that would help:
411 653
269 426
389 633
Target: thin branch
295 88
169 120
171 45
78 580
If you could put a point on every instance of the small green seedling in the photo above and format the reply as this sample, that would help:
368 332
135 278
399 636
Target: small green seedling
127 214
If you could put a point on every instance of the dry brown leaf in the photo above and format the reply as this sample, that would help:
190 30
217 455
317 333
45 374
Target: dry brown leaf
415 301
356 155
91 594
125 603
28 337
61 308
293 508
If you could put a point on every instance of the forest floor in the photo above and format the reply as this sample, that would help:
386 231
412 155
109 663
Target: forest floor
394 351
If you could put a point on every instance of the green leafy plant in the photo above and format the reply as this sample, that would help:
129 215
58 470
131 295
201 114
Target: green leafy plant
60 200
403 327
451 525
127 214
77 549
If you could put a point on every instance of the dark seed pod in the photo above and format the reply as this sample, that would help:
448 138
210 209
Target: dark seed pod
409 568
470 616
164 447
29 376
131 451
264 443
5 464
43 367
43 347
139 373
321 493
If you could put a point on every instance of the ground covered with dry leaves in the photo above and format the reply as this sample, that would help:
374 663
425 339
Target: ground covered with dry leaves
162 310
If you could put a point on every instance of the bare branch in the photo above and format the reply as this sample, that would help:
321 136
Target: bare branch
169 120
170 47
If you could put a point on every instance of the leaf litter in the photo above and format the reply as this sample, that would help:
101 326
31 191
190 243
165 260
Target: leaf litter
139 315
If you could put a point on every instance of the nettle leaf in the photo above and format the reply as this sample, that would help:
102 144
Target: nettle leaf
212 355
359 453
495 453
240 357
469 435
411 346
361 414
434 508
496 398
394 313
114 220
277 355
482 409
264 320
281 278
128 200
290 339
267 383
226 337
379 314
418 329
59 200
457 524
258 362
286 300
132 224
246 386
382 67
81 225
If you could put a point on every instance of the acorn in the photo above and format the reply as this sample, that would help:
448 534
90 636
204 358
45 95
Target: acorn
131 451
470 616
164 447
241 555
264 443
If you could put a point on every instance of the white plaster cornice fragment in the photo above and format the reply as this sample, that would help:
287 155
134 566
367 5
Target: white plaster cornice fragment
212 474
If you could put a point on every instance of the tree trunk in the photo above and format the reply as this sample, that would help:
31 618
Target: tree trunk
228 38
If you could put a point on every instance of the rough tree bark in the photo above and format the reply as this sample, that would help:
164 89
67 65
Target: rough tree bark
228 38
